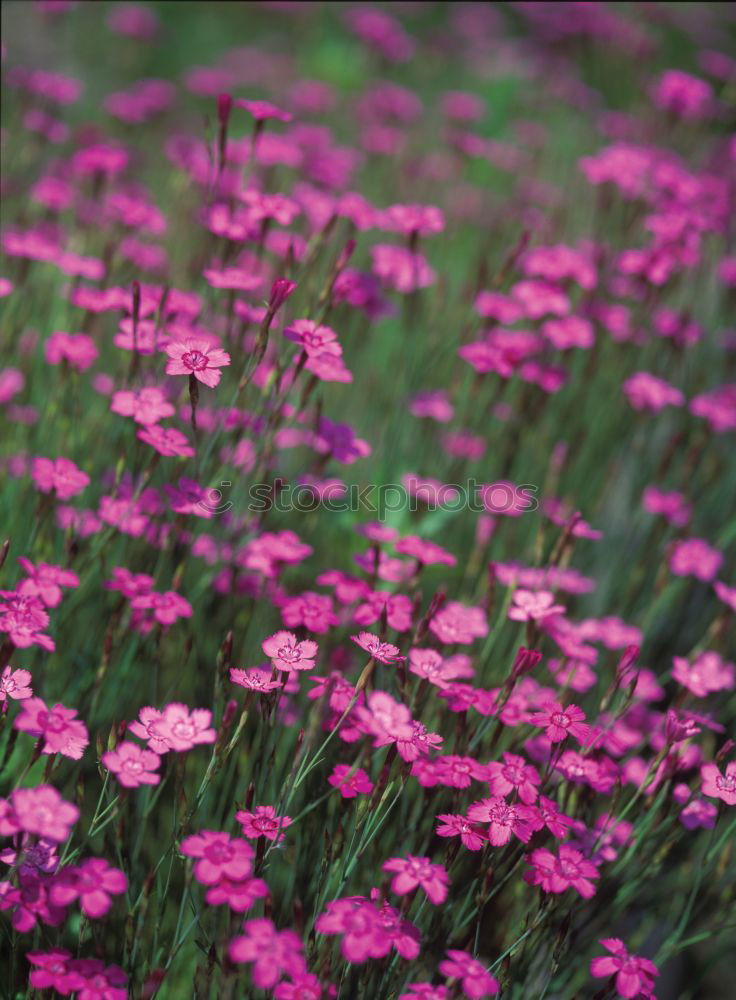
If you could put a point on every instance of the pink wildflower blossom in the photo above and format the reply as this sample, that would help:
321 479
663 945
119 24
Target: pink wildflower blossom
559 722
92 882
634 975
476 981
504 820
514 774
196 357
180 729
60 475
558 872
42 811
263 822
717 785
410 872
14 685
62 732
384 652
218 855
287 653
132 765
694 557
350 782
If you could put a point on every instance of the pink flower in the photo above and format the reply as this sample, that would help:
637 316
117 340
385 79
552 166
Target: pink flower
504 820
239 894
410 872
218 856
560 722
647 392
726 594
263 822
476 981
556 822
350 782
683 95
287 653
166 607
314 611
92 883
59 474
384 652
14 684
364 934
717 785
454 825
146 406
166 441
273 953
45 581
567 869
709 672
42 811
254 679
52 971
455 622
263 110
196 357
514 774
179 729
77 349
313 338
531 606
694 557
386 719
62 732
426 552
132 765
24 619
435 405
634 976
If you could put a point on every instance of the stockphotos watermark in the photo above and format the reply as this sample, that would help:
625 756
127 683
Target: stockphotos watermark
378 500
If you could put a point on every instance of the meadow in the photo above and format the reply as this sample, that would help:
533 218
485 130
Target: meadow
368 500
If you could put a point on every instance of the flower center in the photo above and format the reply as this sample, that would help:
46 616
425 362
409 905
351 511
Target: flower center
561 719
195 360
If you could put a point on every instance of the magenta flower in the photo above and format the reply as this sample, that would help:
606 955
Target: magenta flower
559 722
476 981
166 441
717 785
384 652
146 406
179 729
51 971
504 820
62 732
24 618
254 679
556 822
531 606
709 672
132 765
311 337
218 856
166 607
92 883
239 894
694 557
263 822
14 685
386 719
410 872
197 357
287 653
647 392
514 774
634 975
367 931
60 475
455 622
426 552
263 110
350 782
313 611
454 825
45 581
42 811
564 870
77 349
273 953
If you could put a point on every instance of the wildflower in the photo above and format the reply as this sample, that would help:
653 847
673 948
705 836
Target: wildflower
683 95
351 782
709 672
254 679
358 921
42 811
397 607
530 606
239 894
558 872
634 975
146 406
717 785
273 953
647 392
178 728
167 607
697 812
504 820
556 822
435 405
457 623
52 970
92 882
196 357
289 654
476 981
694 557
384 652
45 581
411 872
58 475
62 732
14 685
77 349
559 722
218 855
425 552
132 765
312 338
263 110
166 441
453 825
263 822
386 719
514 774
314 611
